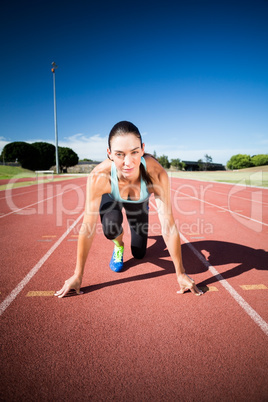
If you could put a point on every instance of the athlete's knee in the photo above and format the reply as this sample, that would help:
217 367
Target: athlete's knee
112 224
111 230
138 252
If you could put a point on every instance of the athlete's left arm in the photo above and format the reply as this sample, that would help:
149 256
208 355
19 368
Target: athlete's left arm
170 232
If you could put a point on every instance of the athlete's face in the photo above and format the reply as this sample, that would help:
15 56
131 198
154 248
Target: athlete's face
126 152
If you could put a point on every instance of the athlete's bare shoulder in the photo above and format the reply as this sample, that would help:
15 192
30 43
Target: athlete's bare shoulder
103 167
100 177
158 175
154 168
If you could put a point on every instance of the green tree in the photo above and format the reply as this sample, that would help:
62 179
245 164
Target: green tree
27 155
200 164
208 161
177 163
67 157
260 160
163 160
46 155
239 161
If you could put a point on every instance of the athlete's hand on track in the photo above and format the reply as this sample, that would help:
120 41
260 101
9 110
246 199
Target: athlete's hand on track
72 283
187 283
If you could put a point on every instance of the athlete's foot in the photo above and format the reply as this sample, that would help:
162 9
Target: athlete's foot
116 263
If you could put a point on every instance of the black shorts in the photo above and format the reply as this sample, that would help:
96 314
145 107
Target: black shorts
137 216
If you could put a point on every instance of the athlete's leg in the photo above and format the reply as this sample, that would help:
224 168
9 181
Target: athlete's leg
112 218
137 215
119 240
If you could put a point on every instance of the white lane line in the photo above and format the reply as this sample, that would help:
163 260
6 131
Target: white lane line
16 195
236 196
36 203
239 299
231 184
12 296
25 192
222 208
28 206
240 198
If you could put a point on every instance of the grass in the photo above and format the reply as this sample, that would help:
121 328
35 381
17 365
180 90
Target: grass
7 172
256 176
15 172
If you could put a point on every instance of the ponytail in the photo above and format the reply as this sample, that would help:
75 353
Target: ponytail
145 175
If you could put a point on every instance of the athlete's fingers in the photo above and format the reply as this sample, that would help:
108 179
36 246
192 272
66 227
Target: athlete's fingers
66 288
189 286
194 289
59 292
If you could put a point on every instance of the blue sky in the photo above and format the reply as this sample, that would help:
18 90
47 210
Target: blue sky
192 75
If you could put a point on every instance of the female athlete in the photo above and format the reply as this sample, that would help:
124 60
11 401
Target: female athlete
126 179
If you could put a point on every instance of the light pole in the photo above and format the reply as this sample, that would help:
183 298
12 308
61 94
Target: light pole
54 66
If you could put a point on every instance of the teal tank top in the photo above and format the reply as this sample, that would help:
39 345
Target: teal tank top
144 193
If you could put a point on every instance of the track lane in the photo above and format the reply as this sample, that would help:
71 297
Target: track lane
238 252
254 205
27 236
44 192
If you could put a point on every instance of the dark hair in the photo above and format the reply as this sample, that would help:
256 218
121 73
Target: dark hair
123 128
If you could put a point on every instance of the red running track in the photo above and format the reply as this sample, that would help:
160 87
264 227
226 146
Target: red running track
130 336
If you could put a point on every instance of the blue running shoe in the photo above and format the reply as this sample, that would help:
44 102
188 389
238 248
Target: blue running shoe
116 263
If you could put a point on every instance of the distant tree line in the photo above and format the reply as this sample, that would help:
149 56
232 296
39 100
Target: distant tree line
205 164
241 161
179 165
38 156
238 161
163 160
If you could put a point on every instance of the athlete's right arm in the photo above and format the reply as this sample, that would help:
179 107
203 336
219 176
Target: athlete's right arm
97 185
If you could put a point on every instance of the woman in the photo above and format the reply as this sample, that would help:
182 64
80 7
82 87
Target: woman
125 180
